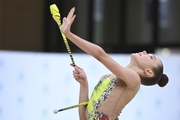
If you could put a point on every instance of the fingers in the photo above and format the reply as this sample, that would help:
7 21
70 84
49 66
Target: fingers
71 13
76 74
67 21
72 65
72 20
76 67
64 19
77 71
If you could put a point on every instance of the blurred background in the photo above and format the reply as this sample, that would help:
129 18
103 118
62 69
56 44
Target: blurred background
35 76
119 26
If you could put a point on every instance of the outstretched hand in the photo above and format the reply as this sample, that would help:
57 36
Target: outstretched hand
79 74
67 21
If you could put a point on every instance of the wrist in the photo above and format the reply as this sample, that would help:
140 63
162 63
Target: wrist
68 34
84 83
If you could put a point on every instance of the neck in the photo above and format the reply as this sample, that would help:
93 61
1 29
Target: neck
135 68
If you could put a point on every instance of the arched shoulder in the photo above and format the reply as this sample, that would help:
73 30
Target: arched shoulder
130 77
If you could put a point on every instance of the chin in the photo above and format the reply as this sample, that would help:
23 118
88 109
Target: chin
134 55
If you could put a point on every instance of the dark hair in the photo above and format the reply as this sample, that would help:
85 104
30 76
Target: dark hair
158 78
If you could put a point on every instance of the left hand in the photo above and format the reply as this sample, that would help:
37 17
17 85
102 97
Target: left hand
79 74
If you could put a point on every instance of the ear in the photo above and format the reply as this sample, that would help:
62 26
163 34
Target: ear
149 73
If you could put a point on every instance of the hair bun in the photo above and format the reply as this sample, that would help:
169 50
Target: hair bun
163 81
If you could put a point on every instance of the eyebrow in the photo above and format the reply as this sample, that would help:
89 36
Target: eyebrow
154 57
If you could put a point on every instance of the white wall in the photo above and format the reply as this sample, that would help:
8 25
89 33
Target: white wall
32 85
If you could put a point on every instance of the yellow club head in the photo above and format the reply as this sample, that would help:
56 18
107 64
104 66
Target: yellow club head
55 11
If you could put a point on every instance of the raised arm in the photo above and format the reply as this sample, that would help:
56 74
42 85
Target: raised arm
130 77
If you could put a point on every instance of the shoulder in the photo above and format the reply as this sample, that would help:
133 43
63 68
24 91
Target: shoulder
131 78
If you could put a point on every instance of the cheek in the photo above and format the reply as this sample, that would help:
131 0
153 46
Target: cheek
144 60
141 59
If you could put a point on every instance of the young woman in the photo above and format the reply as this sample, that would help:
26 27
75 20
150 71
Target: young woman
114 91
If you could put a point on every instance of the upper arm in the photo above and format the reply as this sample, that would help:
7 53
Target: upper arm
130 77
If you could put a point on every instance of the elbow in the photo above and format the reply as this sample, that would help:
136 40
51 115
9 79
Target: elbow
100 53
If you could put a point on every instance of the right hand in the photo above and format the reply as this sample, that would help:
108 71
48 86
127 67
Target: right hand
79 74
67 21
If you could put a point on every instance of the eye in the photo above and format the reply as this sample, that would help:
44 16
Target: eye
151 57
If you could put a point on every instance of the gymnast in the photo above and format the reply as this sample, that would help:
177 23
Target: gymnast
114 91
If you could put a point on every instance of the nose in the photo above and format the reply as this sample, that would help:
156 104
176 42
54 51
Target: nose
144 52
